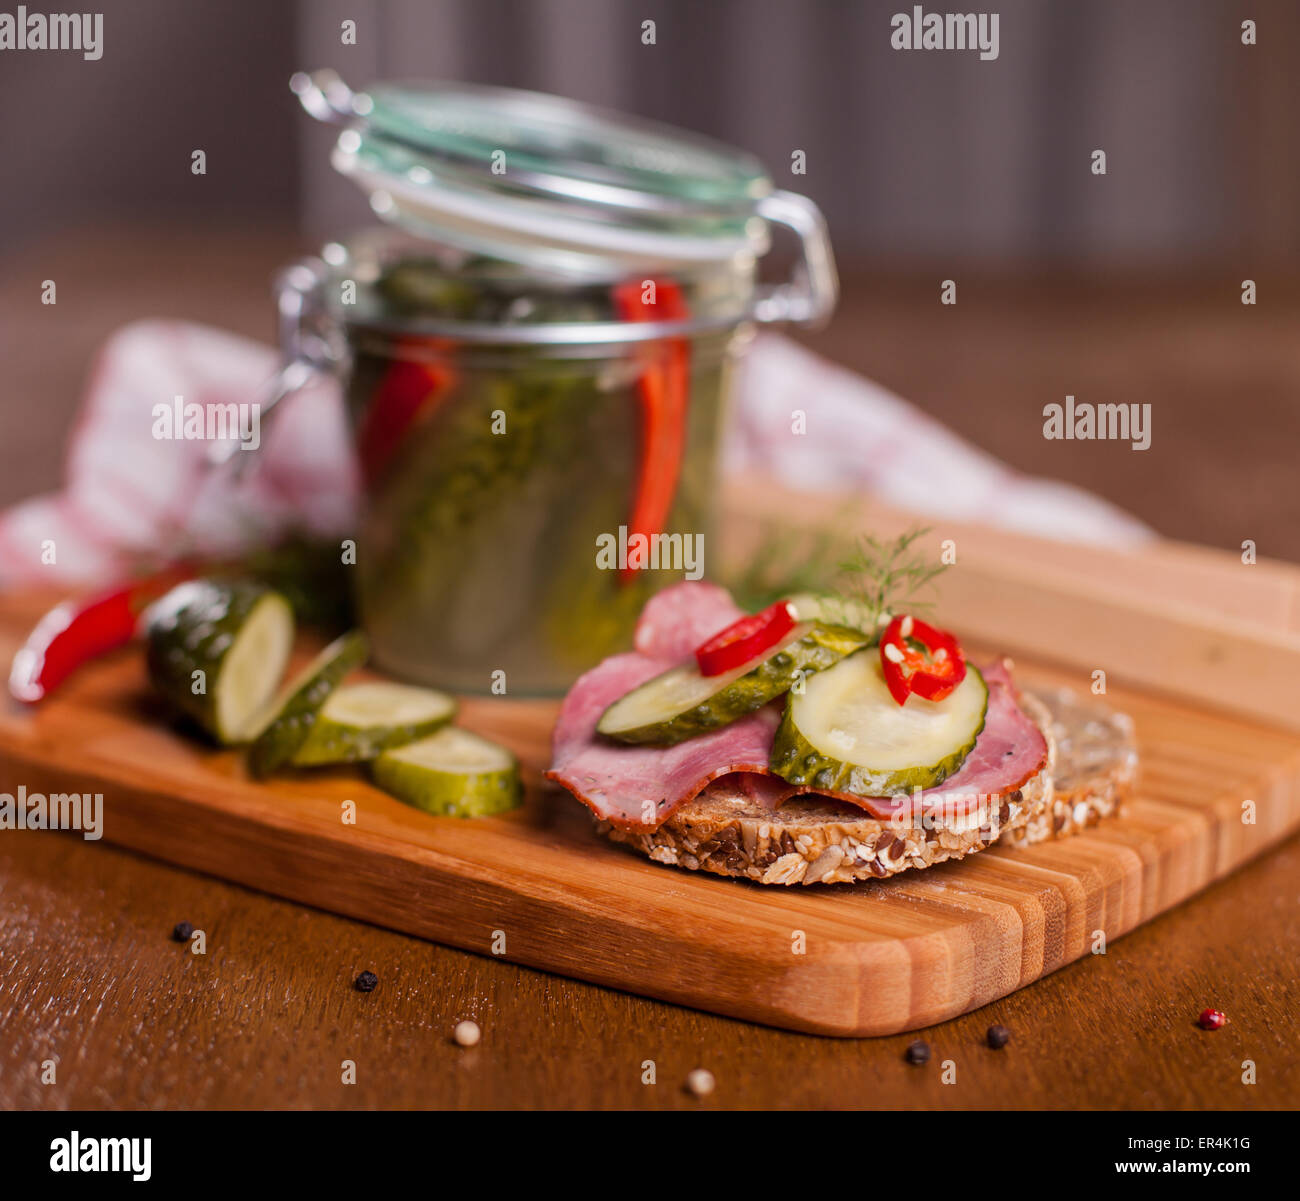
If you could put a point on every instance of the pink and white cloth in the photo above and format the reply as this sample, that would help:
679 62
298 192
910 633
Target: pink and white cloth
860 437
129 497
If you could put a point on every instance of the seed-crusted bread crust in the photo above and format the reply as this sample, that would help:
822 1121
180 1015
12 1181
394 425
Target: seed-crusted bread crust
815 840
1091 768
818 840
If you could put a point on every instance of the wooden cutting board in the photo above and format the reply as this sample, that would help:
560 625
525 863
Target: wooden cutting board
538 887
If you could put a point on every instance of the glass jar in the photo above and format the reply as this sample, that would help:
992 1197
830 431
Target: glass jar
535 366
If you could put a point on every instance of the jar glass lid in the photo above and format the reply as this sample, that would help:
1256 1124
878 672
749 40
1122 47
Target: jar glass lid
567 188
540 179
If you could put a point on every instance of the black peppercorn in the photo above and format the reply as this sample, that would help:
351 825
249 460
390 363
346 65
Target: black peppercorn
998 1037
918 1052
366 982
181 931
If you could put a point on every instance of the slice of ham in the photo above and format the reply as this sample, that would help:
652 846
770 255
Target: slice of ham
637 787
678 619
763 789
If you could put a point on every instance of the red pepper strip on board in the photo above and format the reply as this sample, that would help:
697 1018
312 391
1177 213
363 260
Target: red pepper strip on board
664 390
744 639
931 672
75 632
409 390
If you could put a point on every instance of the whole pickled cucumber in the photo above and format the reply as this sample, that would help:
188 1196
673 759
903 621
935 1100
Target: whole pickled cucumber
846 732
216 649
462 505
288 723
683 703
359 721
452 774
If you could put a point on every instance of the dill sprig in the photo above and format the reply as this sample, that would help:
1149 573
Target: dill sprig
855 582
881 575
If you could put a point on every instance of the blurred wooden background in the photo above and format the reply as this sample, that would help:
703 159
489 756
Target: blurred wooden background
909 153
930 166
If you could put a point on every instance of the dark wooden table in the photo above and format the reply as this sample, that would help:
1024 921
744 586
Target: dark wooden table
92 979
89 975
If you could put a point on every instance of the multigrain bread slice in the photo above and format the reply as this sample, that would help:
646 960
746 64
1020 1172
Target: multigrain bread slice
819 840
1096 766
1091 768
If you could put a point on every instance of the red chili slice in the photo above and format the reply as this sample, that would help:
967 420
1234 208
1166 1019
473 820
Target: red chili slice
409 391
75 632
664 395
745 639
931 672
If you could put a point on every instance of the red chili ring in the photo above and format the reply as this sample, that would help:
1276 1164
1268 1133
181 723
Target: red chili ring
745 639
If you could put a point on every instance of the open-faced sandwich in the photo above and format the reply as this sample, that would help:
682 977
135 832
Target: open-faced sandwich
822 741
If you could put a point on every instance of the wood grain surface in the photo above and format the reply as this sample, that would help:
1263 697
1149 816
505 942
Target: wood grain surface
92 980
538 887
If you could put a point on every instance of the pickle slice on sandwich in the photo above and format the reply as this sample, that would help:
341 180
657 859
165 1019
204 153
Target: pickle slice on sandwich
847 733
682 702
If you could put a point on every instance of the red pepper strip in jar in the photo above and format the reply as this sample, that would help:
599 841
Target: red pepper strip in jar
664 390
745 639
409 390
75 632
918 659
